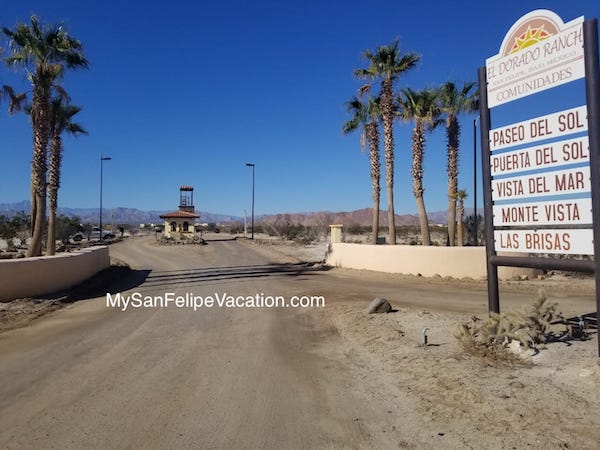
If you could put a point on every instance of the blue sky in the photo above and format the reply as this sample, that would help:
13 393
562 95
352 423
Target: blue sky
187 92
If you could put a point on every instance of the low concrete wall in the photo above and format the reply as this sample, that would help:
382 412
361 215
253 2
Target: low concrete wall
456 262
28 277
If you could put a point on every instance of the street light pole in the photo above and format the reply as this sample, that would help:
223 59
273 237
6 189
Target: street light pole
475 240
252 165
102 159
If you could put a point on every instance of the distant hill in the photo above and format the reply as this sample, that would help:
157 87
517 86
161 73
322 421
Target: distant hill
137 216
359 217
114 215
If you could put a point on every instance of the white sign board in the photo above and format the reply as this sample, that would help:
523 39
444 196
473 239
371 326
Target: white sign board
569 151
554 125
539 52
575 211
540 167
569 181
570 242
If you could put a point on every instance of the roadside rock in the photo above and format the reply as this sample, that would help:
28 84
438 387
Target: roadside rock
379 306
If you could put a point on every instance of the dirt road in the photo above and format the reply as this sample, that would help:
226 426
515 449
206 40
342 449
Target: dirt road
89 376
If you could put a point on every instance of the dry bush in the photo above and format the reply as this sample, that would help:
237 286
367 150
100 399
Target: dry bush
491 338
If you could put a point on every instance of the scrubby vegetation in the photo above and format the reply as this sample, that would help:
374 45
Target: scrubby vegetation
495 337
14 228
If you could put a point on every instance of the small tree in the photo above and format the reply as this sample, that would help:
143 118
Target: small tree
66 227
7 231
14 228
469 229
460 211
355 228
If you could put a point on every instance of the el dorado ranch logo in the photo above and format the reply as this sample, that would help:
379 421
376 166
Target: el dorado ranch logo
536 31
539 52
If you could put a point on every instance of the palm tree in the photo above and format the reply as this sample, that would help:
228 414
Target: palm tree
44 51
453 102
366 115
387 64
460 210
61 115
420 107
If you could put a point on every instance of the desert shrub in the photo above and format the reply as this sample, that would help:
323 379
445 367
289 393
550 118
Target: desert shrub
162 239
237 228
356 229
198 240
469 227
287 231
15 227
67 226
308 235
493 337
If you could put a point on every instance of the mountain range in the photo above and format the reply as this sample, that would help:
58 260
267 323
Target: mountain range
137 216
113 215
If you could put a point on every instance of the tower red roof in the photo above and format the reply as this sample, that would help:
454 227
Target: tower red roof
179 215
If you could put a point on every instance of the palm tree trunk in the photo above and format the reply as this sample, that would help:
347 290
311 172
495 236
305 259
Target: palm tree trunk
459 227
51 249
387 114
423 222
375 220
373 137
53 185
35 246
418 146
453 133
32 206
41 126
451 221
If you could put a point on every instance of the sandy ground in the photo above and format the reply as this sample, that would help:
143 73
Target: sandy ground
552 400
333 377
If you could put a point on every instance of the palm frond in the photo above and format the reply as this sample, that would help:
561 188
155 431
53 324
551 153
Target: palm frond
62 93
16 101
75 129
365 89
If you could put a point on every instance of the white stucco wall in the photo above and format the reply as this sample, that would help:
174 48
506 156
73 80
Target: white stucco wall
457 262
179 221
28 277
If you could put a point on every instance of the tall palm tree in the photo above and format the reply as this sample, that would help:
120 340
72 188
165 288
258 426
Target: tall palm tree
460 210
387 64
453 102
61 115
44 51
419 107
366 115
